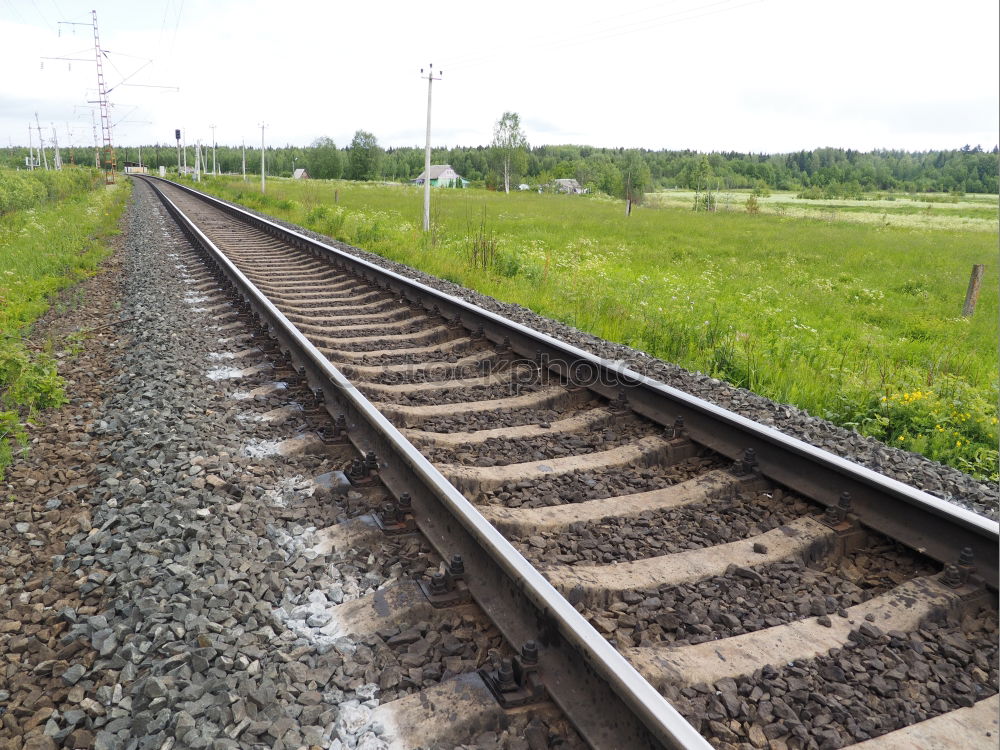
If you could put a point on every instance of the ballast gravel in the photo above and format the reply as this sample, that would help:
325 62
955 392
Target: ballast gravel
910 468
433 355
461 395
665 532
749 599
491 420
581 486
500 452
877 683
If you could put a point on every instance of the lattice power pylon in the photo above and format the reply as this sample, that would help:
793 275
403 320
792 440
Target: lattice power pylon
108 152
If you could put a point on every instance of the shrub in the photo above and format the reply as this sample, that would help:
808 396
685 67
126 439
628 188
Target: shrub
21 190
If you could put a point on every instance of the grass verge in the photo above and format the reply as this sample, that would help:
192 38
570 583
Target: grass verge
855 322
56 242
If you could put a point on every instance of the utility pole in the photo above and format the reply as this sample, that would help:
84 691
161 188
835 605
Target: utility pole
57 160
197 162
263 184
244 159
41 143
97 153
214 170
102 102
31 149
427 149
69 144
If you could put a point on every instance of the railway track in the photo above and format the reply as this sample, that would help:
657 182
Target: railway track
663 572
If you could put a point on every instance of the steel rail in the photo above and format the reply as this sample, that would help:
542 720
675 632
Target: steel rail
589 689
930 525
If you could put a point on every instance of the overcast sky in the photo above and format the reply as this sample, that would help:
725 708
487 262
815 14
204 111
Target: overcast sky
711 75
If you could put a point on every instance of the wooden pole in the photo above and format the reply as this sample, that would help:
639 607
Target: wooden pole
972 296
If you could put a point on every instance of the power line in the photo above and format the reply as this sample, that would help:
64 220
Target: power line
17 13
39 11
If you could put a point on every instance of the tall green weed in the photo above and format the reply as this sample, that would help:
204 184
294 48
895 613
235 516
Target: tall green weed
47 247
21 189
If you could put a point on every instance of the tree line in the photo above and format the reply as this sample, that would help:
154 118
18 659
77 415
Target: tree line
627 173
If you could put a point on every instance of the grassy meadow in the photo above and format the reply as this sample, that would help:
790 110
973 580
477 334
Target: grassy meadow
848 309
51 230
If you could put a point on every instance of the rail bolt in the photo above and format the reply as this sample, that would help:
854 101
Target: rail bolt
505 676
439 584
356 470
529 654
390 515
456 567
620 402
952 576
748 464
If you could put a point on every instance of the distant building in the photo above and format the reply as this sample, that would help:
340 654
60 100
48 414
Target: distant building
134 167
569 186
300 174
524 186
442 175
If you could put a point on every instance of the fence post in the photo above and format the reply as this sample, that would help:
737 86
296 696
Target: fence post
972 296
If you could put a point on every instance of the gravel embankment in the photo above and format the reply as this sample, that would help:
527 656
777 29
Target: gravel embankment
161 587
939 480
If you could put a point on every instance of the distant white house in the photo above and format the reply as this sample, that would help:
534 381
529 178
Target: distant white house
300 174
524 186
569 186
442 175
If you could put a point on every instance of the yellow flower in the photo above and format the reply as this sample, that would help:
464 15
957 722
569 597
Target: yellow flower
958 443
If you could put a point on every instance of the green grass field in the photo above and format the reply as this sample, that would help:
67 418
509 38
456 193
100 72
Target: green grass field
44 248
853 315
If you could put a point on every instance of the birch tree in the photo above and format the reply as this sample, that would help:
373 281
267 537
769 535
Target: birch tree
510 147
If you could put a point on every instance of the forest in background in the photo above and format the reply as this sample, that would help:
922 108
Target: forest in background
820 173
